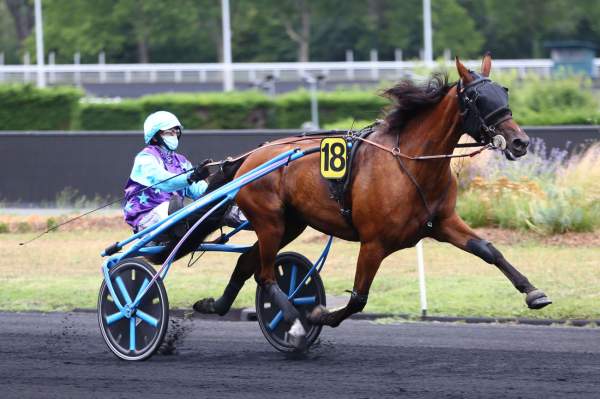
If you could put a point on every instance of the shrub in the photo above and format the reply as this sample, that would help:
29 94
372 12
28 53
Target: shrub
563 211
552 101
122 115
23 227
293 109
236 110
24 107
3 228
51 224
547 195
346 124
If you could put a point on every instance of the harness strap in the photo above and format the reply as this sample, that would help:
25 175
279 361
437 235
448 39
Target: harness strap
398 154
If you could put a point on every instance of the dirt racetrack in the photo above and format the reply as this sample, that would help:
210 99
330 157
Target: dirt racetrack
62 355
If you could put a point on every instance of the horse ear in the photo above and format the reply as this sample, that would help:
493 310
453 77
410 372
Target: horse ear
463 72
486 64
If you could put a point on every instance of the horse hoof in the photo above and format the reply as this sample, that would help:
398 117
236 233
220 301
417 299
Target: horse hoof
536 299
299 342
296 336
206 306
317 315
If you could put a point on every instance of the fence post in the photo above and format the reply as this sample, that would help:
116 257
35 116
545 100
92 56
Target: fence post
101 63
350 70
374 70
447 54
26 62
51 63
422 288
398 58
1 64
77 73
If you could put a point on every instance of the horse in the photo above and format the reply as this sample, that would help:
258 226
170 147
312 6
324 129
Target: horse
396 201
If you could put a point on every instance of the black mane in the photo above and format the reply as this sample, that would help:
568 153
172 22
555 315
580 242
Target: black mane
410 98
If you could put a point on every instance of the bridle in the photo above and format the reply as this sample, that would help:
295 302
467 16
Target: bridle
483 106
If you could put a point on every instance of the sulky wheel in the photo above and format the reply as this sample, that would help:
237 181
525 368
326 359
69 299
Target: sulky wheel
139 336
290 269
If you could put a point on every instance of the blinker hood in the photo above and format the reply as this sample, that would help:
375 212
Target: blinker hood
483 105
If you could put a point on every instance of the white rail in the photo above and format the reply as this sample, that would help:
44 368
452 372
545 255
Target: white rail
247 73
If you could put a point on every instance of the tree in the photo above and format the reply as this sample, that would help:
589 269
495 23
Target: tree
23 17
296 18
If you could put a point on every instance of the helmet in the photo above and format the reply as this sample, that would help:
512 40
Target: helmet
161 120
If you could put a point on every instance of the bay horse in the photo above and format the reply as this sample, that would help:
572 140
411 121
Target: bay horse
395 202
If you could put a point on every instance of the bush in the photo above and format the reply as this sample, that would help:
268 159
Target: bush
24 107
51 224
293 109
123 115
566 100
346 124
3 228
236 110
541 193
23 227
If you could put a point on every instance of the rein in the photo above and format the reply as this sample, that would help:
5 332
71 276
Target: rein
395 151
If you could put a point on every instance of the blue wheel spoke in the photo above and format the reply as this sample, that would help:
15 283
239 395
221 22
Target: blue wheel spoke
293 280
142 288
123 289
114 318
305 300
275 322
132 334
147 318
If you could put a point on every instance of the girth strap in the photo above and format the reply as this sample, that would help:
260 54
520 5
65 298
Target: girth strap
340 188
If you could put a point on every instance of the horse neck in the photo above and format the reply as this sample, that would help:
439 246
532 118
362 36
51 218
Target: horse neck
435 131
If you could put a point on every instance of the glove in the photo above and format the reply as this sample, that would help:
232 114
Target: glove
200 172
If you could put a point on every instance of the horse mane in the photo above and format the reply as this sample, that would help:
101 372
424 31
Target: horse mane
410 98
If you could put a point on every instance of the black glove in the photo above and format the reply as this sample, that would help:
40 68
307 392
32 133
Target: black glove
201 172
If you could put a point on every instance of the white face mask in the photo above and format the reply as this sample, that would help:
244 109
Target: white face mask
171 142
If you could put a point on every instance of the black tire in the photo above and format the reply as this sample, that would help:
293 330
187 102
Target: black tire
148 338
266 311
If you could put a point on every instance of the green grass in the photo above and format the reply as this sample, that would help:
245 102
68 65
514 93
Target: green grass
62 272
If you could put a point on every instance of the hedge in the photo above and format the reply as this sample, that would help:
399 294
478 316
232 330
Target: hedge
124 115
292 109
236 110
24 107
534 101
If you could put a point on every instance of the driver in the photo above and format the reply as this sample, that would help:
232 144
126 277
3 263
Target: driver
158 161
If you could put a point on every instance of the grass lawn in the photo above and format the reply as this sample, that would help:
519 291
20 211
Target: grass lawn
62 271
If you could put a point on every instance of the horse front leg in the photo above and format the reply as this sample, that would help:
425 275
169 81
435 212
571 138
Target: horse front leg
370 257
456 232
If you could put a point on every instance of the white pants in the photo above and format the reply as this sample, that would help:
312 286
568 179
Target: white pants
161 211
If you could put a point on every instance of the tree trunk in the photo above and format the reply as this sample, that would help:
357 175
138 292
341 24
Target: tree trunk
23 16
302 37
142 49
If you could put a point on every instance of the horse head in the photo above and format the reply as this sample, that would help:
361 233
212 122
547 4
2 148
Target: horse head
485 113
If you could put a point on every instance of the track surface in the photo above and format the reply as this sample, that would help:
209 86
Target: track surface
63 355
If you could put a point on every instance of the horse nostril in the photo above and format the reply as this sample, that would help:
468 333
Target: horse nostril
520 144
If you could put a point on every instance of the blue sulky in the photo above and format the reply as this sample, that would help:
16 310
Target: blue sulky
305 287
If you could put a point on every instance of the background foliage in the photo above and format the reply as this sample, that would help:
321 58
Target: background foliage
24 107
264 30
534 101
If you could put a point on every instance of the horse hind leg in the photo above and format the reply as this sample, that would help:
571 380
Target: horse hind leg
272 235
369 259
247 265
244 269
